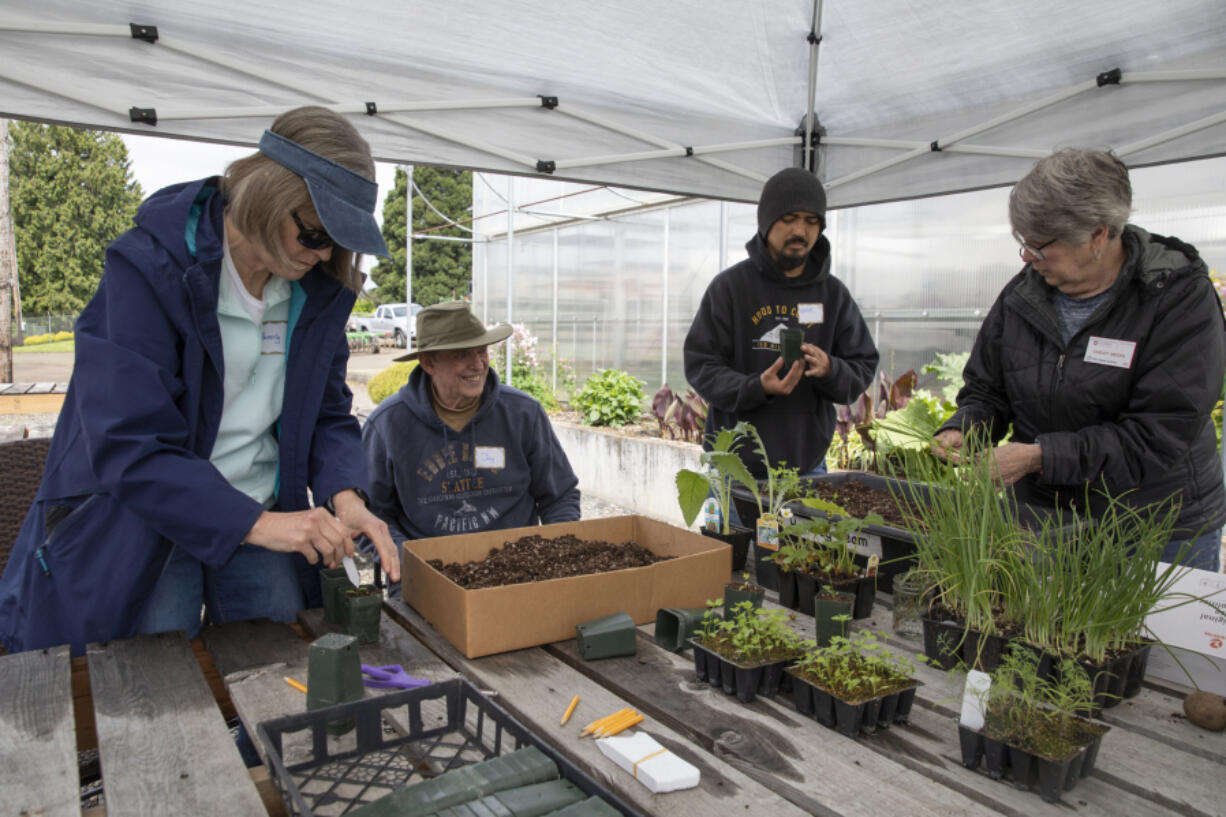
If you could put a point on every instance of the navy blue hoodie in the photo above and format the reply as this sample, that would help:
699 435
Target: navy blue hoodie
427 479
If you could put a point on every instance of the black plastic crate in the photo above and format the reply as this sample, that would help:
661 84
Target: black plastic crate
438 728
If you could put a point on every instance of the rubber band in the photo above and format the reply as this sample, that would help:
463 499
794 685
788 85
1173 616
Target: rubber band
644 760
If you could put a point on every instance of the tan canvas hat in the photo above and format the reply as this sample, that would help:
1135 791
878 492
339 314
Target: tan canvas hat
452 325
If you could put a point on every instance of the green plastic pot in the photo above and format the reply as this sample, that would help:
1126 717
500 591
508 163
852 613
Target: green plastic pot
733 597
674 625
789 346
824 611
334 676
359 616
333 582
607 637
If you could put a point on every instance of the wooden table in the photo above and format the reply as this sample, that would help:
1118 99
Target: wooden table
165 750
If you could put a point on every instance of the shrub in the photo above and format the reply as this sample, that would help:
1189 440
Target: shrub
61 336
363 306
388 382
610 397
35 340
527 372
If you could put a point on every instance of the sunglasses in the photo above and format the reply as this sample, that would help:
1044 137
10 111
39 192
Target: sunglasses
311 237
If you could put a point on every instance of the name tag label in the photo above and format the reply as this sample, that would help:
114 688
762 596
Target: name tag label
811 313
1110 352
490 456
272 337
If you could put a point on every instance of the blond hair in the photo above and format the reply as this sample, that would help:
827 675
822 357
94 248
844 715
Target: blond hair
260 193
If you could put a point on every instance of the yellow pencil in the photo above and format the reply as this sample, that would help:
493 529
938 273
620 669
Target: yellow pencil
624 726
604 730
295 684
573 703
599 722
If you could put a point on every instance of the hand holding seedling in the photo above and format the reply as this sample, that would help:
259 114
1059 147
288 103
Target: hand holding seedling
947 445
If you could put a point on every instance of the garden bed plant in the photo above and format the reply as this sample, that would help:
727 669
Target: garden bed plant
818 552
855 684
745 653
1035 727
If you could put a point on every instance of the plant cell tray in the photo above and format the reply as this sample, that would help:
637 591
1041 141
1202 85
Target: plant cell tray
433 729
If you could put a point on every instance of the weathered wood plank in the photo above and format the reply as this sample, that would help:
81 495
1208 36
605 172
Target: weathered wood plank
536 688
14 388
38 748
41 388
162 741
21 403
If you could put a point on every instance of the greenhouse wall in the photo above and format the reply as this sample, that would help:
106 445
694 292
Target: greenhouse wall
612 278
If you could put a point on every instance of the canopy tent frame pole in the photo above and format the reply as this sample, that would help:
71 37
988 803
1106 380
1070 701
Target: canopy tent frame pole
510 269
902 144
475 144
553 356
941 144
1173 133
408 243
668 220
351 108
815 42
672 153
660 142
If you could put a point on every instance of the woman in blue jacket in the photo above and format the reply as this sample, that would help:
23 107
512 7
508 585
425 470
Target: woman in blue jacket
207 398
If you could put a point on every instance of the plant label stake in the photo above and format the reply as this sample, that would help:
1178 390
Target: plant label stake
975 699
871 570
768 531
710 515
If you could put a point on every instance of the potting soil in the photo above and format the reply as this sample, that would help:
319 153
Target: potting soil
537 558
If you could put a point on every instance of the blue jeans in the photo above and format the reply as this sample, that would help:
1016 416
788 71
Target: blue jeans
255 583
735 519
1204 552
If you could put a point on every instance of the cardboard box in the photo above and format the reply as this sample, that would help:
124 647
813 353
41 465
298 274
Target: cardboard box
497 619
1196 634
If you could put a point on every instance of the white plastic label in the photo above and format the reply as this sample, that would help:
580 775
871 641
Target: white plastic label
975 699
768 531
1109 352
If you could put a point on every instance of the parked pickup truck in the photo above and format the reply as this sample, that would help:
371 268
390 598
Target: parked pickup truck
395 320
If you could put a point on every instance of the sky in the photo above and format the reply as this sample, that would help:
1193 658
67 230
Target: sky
158 162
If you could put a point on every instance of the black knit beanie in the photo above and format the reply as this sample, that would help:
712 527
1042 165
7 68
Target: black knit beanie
792 188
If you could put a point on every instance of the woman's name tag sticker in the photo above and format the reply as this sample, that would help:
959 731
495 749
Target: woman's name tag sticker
1111 352
490 456
272 337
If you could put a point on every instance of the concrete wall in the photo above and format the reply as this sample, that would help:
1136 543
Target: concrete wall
628 470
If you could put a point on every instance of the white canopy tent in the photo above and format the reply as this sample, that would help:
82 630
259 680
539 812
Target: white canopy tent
698 97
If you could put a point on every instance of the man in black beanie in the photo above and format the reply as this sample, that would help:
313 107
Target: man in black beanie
732 351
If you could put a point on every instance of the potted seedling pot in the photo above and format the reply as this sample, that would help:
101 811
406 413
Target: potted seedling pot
334 676
358 612
789 347
738 539
333 581
675 625
607 637
737 592
828 610
943 641
1054 774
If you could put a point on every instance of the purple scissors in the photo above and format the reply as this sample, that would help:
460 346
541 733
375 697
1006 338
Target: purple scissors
392 676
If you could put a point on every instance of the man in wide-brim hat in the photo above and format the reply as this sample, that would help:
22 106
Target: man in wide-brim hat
455 450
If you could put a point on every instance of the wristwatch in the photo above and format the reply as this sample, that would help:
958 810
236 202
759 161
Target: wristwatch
331 508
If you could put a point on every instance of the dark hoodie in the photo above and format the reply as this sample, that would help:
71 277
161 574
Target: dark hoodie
735 337
505 469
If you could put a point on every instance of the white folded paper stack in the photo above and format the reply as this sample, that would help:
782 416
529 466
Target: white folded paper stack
650 763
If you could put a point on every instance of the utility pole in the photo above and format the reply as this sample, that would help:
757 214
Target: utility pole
8 261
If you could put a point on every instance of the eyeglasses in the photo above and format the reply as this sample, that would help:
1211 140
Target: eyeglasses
311 237
1036 251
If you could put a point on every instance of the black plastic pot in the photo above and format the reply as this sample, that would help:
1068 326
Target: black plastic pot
982 652
733 597
902 714
825 611
767 573
943 641
802 695
1053 776
847 717
806 590
787 589
738 539
865 590
1136 671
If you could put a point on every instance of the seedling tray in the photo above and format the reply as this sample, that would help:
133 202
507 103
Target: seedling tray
400 738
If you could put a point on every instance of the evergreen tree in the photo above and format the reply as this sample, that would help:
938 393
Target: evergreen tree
72 193
441 269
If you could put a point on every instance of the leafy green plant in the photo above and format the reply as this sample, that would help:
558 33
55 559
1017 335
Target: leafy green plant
856 668
1042 715
822 546
610 397
389 381
752 634
722 468
527 373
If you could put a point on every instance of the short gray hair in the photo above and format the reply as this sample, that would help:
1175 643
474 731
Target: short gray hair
1070 194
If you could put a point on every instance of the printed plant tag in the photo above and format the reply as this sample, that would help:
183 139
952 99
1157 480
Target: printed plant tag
975 699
